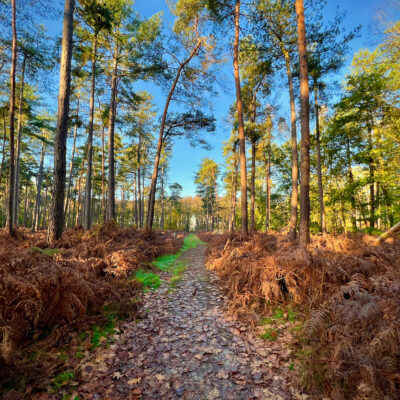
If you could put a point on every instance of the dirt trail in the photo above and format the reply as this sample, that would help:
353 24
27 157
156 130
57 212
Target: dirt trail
186 347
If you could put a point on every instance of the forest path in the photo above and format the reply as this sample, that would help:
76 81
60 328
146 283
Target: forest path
186 347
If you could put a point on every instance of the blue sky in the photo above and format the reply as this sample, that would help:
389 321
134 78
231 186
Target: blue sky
186 159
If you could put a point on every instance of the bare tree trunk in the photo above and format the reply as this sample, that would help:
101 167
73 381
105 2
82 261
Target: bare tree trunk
268 184
253 186
3 145
56 216
372 180
103 178
10 211
123 206
152 194
44 208
135 199
162 199
351 180
319 167
71 164
19 134
294 198
305 127
239 107
25 204
88 187
139 180
233 200
36 219
111 121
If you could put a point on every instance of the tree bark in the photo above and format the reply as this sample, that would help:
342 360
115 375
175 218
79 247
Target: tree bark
253 186
268 184
36 219
56 217
10 210
153 184
25 204
294 198
233 196
319 168
239 108
71 164
372 181
139 180
305 127
88 187
391 231
351 181
162 199
18 152
3 147
135 199
111 122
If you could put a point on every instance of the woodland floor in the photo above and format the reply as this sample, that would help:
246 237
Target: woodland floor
186 346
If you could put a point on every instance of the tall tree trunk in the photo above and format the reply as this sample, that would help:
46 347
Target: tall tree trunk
18 152
71 164
36 219
319 168
123 206
351 181
103 178
162 199
111 122
153 184
135 199
294 198
139 180
305 127
268 183
44 209
253 186
10 211
88 187
3 147
239 108
253 167
233 200
25 204
56 216
371 181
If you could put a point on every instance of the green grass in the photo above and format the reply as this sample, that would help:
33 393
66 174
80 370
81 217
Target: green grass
63 378
47 252
104 331
148 279
278 315
269 334
166 262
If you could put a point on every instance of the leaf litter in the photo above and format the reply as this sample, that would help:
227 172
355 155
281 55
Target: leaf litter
186 346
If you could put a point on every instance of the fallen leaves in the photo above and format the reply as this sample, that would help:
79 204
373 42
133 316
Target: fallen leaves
186 346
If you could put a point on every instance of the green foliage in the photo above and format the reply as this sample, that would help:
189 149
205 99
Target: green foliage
149 280
63 378
47 252
270 334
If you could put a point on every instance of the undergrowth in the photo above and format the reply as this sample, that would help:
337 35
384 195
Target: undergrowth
346 287
49 295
